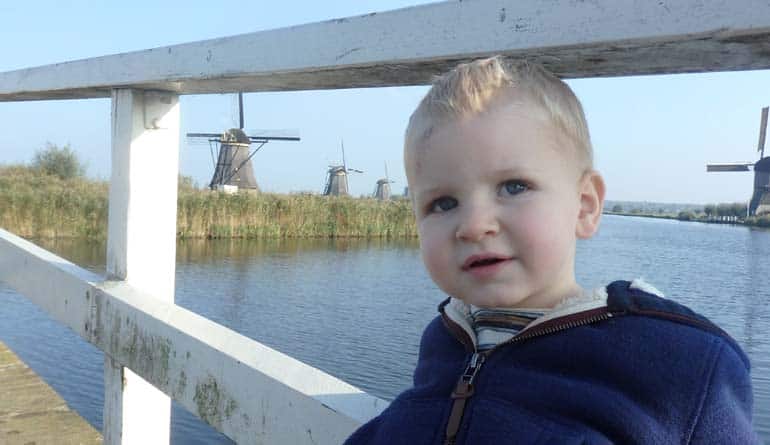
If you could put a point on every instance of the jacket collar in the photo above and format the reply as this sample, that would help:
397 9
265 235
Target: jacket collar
456 314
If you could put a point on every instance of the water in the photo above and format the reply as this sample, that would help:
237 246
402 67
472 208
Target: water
356 309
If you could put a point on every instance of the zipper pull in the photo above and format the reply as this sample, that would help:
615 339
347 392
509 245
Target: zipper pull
464 388
460 395
477 359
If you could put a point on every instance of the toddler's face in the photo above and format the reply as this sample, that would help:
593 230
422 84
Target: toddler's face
497 201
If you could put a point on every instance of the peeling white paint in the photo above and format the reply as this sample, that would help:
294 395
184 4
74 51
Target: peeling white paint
252 392
141 251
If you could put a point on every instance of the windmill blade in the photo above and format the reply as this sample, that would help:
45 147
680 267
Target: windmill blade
240 110
205 135
202 139
342 144
197 142
274 135
732 167
762 131
235 118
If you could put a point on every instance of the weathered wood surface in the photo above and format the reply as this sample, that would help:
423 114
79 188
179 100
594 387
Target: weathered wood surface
573 38
141 246
31 412
244 389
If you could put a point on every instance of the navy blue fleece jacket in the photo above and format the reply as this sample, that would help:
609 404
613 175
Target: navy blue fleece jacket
652 372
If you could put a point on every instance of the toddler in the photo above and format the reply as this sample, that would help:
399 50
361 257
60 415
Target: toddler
499 163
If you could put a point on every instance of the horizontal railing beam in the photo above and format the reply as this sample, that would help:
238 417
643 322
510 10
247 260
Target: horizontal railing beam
407 47
244 389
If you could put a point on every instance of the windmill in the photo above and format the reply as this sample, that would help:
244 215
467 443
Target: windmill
233 168
337 177
760 198
382 188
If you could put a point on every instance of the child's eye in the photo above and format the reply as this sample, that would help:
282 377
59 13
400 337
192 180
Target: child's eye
513 187
442 204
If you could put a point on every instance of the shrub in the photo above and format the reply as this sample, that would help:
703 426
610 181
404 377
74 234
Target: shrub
760 221
58 161
186 183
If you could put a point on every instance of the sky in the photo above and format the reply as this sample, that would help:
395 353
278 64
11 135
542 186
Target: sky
652 135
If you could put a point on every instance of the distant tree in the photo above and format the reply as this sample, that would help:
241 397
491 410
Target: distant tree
636 210
58 161
723 209
709 209
617 208
739 209
661 210
685 215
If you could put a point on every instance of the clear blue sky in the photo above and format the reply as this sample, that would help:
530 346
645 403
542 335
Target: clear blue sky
653 135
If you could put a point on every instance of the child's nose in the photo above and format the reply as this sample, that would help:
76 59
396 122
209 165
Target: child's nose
477 223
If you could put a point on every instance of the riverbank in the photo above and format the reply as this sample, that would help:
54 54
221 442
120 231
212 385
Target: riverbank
34 205
754 221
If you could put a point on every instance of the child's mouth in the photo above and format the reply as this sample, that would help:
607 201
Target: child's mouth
483 261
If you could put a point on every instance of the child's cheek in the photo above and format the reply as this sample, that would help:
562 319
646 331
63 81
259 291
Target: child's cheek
435 251
542 237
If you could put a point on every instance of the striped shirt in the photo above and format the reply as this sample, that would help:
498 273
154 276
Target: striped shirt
495 326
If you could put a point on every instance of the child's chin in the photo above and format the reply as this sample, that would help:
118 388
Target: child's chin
500 302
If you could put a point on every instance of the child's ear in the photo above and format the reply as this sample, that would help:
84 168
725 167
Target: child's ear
591 204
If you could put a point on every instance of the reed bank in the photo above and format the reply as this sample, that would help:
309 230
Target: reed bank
38 205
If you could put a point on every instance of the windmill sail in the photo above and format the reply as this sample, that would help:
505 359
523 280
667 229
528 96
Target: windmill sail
760 198
233 165
762 131
337 176
274 135
382 188
732 167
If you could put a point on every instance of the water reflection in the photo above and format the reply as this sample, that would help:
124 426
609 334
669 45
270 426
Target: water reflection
202 250
756 313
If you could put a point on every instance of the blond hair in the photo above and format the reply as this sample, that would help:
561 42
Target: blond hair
475 87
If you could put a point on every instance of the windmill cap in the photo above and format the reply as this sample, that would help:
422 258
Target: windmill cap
237 135
763 165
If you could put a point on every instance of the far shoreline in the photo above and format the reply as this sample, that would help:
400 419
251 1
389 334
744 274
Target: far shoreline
757 222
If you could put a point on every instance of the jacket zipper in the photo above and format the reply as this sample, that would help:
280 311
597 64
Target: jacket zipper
464 389
462 392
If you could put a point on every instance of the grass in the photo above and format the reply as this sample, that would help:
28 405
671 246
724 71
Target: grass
36 205
245 215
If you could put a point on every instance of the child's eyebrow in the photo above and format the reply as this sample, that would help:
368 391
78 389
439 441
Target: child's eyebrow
511 171
431 191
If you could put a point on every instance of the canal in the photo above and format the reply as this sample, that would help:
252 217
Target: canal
356 309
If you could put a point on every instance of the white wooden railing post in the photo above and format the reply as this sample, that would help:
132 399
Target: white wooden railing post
141 245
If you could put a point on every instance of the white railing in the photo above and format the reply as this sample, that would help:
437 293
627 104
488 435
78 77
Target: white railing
244 389
249 392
